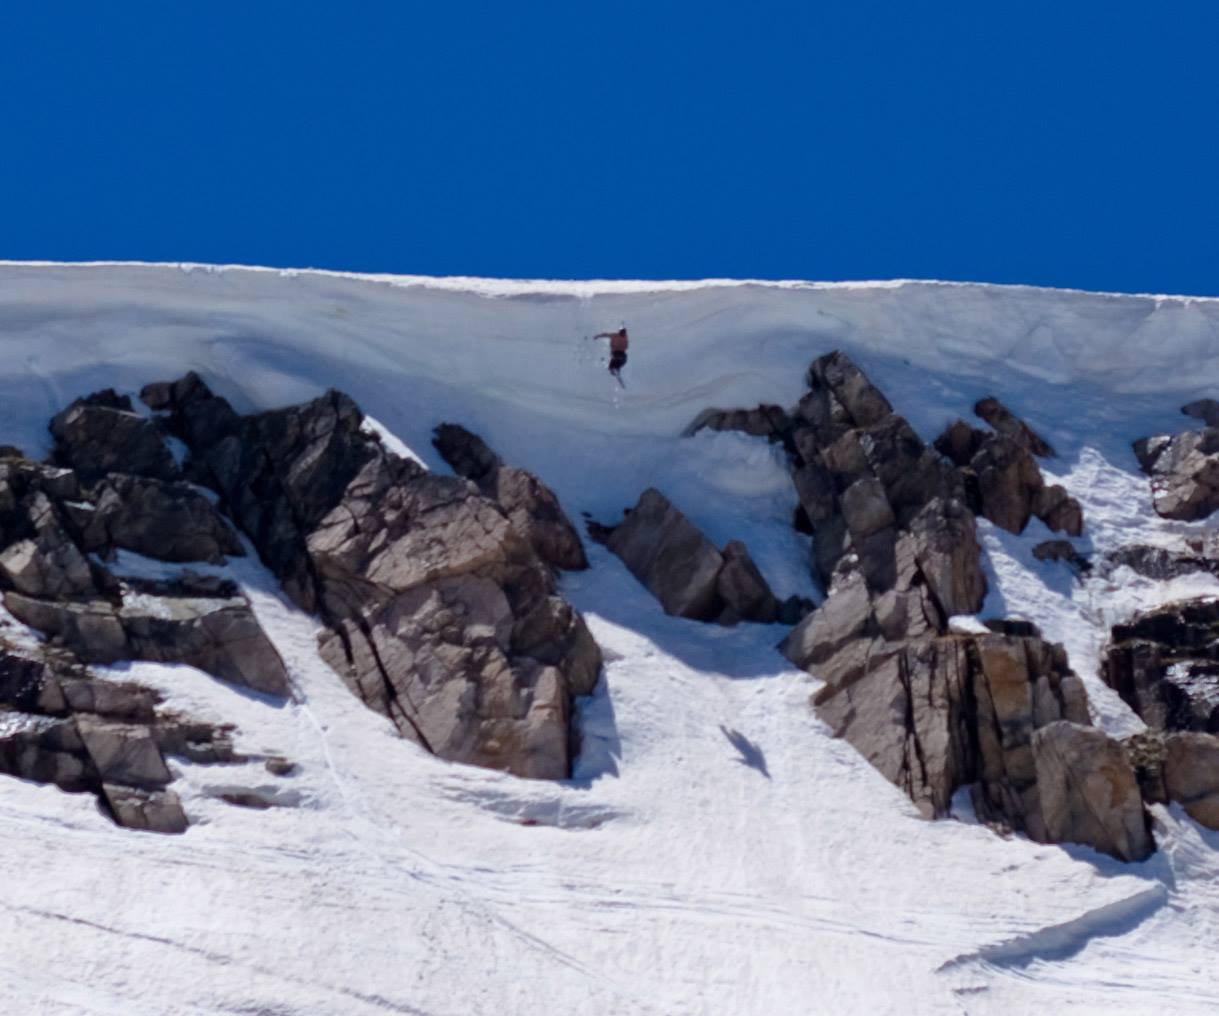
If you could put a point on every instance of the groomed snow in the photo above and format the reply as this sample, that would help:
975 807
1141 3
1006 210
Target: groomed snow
684 870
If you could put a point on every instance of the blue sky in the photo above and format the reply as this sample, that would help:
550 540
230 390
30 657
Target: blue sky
1071 143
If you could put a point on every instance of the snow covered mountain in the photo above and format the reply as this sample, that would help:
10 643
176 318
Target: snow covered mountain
716 850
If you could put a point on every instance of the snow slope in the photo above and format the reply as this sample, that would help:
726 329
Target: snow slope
677 873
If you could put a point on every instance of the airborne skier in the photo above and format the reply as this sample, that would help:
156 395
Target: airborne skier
618 346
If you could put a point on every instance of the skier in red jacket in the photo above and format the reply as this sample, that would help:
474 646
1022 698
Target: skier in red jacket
618 346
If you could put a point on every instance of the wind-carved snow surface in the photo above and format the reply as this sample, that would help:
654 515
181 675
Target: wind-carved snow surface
717 852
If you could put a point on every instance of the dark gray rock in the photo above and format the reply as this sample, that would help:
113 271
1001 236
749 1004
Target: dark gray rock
168 521
157 811
770 422
1162 664
1005 422
220 637
667 553
1206 410
1195 554
99 436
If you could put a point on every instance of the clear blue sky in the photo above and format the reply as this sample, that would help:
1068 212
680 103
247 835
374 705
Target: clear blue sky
1071 143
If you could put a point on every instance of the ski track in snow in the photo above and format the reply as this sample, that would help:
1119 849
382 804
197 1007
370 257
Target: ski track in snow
675 873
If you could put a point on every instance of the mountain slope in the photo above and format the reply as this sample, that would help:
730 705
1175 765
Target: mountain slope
672 874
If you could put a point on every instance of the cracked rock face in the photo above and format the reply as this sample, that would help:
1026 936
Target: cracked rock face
437 592
678 565
1162 664
1088 791
102 434
1184 472
62 725
531 506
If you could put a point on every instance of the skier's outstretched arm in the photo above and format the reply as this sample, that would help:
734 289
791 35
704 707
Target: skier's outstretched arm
604 335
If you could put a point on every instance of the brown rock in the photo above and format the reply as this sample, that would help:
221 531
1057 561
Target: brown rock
1088 791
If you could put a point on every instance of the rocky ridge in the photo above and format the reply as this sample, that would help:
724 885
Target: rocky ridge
62 523
438 597
933 707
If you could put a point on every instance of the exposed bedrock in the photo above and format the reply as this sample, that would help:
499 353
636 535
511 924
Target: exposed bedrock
1165 665
64 726
531 506
895 544
1184 468
685 571
441 610
60 525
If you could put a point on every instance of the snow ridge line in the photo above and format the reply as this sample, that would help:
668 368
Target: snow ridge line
1061 941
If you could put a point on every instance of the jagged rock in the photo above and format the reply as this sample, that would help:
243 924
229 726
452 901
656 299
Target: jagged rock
439 612
47 562
436 660
742 588
466 453
667 553
531 506
124 753
1003 480
1088 791
1191 775
1206 410
46 750
1007 481
770 422
153 811
1005 422
99 435
1162 664
1184 472
220 637
849 389
1158 562
168 521
65 727
941 545
682 568
936 713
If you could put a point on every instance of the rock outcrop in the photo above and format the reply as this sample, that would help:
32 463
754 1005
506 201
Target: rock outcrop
1005 422
116 486
531 506
666 552
439 611
1001 478
1088 791
1196 553
1162 664
102 434
1191 775
84 735
1184 469
932 709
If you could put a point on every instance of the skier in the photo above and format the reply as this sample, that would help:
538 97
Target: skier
618 345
